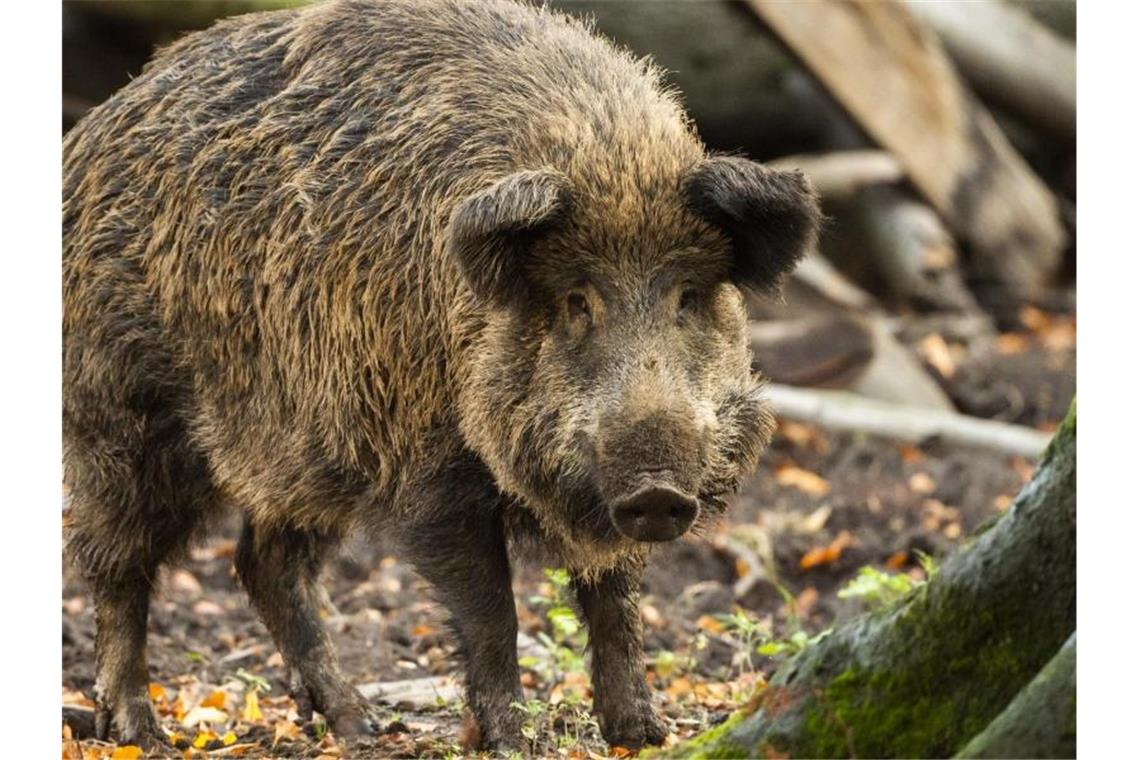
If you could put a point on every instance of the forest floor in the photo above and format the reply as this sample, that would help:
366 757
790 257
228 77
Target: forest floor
820 507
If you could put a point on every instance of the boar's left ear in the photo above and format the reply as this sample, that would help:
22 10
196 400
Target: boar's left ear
492 231
772 217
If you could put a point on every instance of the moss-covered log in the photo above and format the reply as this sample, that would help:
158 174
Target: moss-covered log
924 677
1041 721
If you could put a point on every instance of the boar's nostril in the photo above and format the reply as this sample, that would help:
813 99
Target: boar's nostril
654 512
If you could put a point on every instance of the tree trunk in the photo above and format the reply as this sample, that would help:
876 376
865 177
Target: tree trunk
924 677
1041 721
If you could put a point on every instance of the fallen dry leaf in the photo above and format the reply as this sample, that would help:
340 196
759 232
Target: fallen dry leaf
652 616
251 710
896 561
1012 343
202 714
709 624
285 730
681 687
934 350
1033 318
215 699
806 601
202 739
911 454
804 435
804 480
921 483
827 554
127 752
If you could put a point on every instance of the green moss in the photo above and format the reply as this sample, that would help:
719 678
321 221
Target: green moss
714 743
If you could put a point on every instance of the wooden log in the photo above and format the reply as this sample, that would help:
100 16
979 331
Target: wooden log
842 410
828 350
840 175
892 373
1010 59
901 247
888 70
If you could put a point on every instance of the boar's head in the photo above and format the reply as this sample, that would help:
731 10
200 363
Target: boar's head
611 386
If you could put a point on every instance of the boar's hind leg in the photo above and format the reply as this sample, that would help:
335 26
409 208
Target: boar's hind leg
621 694
280 569
457 542
138 492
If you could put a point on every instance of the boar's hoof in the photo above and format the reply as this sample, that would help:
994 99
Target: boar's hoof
654 512
134 723
503 737
634 729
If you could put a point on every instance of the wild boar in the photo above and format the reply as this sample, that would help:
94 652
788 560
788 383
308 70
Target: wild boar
456 271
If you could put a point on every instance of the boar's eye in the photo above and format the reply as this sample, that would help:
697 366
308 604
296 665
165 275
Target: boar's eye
688 302
578 308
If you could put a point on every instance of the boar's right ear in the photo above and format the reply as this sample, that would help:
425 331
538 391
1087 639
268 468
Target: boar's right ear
491 232
772 217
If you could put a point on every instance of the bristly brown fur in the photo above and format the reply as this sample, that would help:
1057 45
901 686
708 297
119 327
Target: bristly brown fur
314 265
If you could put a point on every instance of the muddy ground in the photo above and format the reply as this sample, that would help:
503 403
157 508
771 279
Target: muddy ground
820 507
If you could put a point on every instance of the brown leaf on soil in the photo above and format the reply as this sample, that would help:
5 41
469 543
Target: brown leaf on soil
896 561
423 630
127 752
806 601
215 699
1012 343
285 730
911 454
804 480
622 752
157 692
77 699
804 435
251 710
934 350
652 616
681 687
921 483
827 554
709 624
1033 318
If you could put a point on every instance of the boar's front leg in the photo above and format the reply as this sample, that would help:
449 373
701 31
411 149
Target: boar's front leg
455 538
280 568
621 694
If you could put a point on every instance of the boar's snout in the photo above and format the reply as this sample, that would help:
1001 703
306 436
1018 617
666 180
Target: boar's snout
655 512
649 470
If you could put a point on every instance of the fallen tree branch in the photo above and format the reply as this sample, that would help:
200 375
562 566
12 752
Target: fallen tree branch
419 692
840 175
840 410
